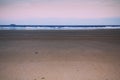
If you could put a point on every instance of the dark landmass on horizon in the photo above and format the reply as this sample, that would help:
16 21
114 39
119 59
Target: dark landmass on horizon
16 25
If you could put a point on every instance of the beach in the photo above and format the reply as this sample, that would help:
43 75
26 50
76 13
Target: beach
60 54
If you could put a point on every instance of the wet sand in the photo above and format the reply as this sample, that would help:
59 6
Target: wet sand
51 55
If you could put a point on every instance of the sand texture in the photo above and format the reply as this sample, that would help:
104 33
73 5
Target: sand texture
33 57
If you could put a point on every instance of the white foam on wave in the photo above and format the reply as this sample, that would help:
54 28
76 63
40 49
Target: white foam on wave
57 28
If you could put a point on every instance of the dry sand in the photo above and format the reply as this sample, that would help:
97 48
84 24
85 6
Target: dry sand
35 57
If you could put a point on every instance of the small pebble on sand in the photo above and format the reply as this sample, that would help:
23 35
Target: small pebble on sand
36 52
43 78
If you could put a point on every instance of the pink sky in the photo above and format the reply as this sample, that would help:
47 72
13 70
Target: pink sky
78 9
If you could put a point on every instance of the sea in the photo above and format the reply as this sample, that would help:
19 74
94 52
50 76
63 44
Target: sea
57 27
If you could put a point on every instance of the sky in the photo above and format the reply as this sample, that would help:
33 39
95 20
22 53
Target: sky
60 12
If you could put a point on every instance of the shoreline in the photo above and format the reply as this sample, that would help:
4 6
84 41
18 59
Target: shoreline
60 34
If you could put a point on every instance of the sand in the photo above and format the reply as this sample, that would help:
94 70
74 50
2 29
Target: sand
60 56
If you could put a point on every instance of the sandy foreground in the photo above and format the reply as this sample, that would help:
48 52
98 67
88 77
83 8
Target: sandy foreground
84 55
